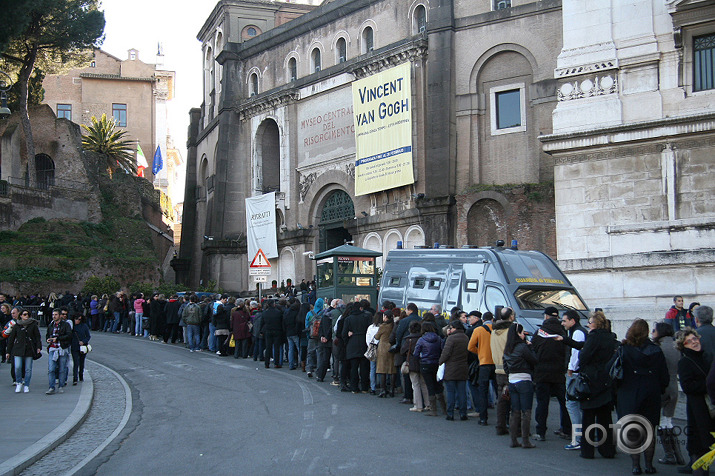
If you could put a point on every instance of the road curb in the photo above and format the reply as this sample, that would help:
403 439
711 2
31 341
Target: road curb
33 453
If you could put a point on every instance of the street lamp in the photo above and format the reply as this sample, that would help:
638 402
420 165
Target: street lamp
4 88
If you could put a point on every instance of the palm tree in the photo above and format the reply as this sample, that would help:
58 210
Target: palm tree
102 138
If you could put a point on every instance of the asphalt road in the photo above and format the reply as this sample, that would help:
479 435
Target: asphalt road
197 413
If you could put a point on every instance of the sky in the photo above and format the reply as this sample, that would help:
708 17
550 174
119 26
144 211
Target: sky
142 24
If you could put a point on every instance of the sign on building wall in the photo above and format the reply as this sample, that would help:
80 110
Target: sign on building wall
383 130
261 225
326 129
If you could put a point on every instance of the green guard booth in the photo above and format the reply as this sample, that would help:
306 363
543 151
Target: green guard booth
347 272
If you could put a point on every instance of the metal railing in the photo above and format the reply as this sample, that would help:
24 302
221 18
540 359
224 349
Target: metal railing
48 184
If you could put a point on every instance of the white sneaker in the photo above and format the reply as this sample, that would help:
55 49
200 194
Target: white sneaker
26 389
18 388
61 390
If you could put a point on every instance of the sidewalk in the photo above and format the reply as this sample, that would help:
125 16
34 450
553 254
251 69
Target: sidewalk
36 423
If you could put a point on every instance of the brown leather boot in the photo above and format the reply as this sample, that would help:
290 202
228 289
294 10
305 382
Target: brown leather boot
302 366
525 425
514 425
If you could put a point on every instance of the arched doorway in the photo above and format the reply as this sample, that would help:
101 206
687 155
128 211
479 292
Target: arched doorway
486 223
44 171
338 207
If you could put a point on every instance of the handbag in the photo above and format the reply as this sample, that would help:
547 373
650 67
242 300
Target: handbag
405 368
37 355
616 370
232 342
579 388
505 395
371 353
85 349
474 373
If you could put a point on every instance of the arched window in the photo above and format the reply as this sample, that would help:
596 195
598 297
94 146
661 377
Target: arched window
367 40
341 49
315 59
420 24
44 171
254 84
292 69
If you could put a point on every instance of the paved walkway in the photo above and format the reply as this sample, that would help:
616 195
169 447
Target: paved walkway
36 423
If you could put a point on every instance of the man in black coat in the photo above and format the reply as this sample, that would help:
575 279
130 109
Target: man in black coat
172 319
549 374
354 331
272 330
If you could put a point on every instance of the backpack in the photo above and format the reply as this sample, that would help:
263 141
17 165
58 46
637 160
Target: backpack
192 314
315 325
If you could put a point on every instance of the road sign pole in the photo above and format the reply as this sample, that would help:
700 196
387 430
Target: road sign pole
259 294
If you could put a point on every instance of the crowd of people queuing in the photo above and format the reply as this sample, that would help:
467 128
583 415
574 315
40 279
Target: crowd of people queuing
441 364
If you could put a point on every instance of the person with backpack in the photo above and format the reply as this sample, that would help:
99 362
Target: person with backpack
192 316
312 326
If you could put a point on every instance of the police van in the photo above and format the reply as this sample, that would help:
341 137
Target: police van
483 279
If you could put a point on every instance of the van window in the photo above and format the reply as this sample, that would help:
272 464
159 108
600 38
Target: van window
434 283
418 283
471 285
493 297
394 281
543 298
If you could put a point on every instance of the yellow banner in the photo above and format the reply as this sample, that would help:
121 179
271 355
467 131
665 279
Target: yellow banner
383 130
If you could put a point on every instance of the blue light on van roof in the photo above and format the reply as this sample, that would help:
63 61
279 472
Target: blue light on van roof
514 245
436 245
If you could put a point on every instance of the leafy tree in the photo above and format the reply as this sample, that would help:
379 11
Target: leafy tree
109 143
53 31
105 285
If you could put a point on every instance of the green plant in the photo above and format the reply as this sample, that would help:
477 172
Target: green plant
36 220
209 287
110 144
101 285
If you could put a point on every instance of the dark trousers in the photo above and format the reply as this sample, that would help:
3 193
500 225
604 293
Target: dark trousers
204 336
172 331
259 345
359 374
406 385
486 376
323 360
602 416
429 373
544 392
241 349
222 344
274 349
344 373
77 364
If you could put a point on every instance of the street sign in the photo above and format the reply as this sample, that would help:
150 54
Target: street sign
260 260
259 272
260 279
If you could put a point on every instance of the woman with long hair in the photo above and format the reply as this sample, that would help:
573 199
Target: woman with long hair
519 361
645 378
385 359
24 343
456 369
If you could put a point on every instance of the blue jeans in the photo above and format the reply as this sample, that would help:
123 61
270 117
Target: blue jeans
574 409
27 361
212 338
373 375
62 363
194 335
117 321
458 389
259 344
138 323
293 351
522 395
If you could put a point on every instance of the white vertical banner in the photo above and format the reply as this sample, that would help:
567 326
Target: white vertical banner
261 225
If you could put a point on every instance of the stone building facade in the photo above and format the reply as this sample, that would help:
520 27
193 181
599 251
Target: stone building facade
278 117
633 144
